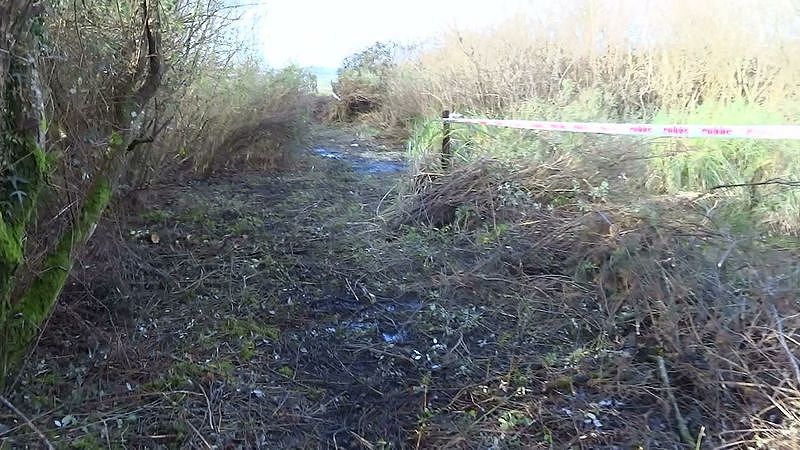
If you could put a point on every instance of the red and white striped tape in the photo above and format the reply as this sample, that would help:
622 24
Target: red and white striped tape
636 129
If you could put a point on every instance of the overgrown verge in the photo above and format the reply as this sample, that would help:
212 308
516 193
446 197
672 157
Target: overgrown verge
240 114
99 102
639 330
590 67
361 83
503 306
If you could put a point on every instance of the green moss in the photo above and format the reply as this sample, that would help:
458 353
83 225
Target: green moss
25 317
32 168
315 394
248 350
286 371
156 215
196 216
13 226
48 379
246 225
241 328
87 442
505 338
24 170
10 255
183 373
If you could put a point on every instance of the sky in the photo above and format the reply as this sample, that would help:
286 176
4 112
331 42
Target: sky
322 32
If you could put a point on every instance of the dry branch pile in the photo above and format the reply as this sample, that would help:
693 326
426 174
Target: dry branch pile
684 321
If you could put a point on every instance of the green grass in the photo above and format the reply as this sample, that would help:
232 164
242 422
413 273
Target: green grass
475 141
700 165
672 165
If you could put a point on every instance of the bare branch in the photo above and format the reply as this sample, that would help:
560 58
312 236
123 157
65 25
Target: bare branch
772 181
155 58
28 422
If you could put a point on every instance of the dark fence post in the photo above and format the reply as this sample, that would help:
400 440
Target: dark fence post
446 155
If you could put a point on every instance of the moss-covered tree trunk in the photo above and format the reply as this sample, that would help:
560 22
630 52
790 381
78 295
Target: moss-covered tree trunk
24 165
23 309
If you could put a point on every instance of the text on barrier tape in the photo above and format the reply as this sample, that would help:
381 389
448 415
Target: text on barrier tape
689 131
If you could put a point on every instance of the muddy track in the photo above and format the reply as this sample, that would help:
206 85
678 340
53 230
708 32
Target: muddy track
277 310
257 318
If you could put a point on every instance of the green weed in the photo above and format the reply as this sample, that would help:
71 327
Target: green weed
511 420
286 371
242 328
705 164
156 215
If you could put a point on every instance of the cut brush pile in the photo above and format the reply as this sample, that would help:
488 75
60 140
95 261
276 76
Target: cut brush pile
659 334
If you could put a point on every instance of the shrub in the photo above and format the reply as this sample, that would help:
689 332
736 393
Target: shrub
223 112
690 302
671 313
573 50
588 67
243 114
361 81
98 79
89 85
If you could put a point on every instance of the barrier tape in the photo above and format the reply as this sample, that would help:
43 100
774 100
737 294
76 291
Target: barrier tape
635 129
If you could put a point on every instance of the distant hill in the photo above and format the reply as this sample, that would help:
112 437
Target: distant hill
325 76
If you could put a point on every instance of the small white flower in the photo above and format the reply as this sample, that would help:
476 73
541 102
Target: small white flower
503 385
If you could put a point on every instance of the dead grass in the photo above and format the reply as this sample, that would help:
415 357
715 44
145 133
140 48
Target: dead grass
643 61
356 95
233 117
689 328
482 191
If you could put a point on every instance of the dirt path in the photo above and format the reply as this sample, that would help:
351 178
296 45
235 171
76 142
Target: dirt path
277 311
259 314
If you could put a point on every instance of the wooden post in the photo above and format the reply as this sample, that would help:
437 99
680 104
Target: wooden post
446 151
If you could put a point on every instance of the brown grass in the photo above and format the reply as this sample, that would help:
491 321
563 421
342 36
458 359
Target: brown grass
642 60
480 190
232 116
717 312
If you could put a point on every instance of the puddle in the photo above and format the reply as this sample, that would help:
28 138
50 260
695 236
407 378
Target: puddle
408 303
362 164
395 338
390 320
325 153
370 166
360 327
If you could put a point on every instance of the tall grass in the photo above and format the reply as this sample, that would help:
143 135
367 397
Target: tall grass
242 113
641 57
631 61
692 278
707 164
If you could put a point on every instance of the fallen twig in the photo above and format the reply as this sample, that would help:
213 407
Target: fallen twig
27 421
782 339
683 429
772 181
197 432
